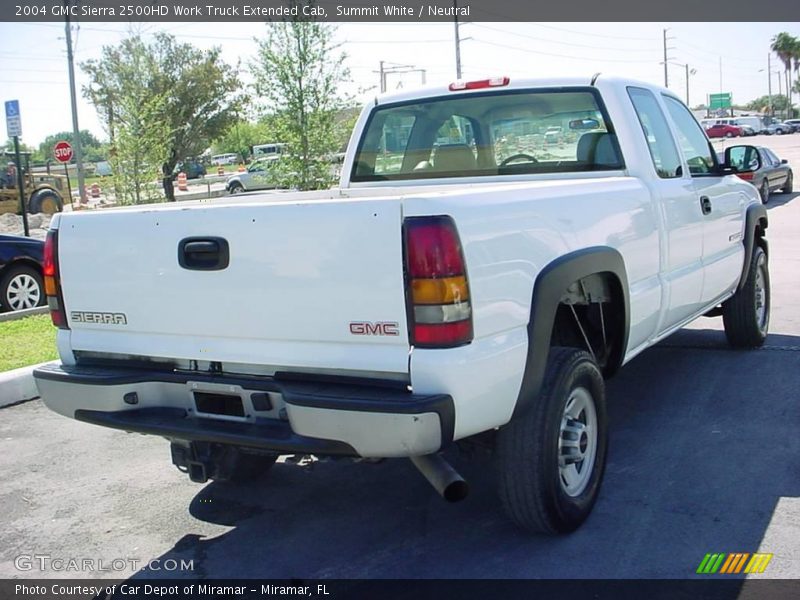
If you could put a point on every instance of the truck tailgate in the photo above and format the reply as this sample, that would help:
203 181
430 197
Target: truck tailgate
299 274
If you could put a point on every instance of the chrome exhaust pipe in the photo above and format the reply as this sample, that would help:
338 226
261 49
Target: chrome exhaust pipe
443 477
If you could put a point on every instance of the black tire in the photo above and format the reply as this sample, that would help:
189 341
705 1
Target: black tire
729 135
763 191
45 201
531 481
745 325
13 286
788 187
236 188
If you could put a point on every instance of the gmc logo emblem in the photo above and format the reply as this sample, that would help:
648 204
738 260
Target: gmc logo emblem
377 328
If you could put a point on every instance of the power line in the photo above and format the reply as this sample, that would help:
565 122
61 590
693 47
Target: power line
582 58
550 41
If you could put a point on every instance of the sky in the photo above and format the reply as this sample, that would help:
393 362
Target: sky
728 57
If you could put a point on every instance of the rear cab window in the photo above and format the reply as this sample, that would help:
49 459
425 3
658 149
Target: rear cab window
494 133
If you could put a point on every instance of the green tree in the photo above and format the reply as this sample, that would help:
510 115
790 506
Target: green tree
199 94
787 47
240 137
298 73
779 103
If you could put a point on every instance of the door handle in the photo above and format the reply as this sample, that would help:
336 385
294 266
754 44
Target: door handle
204 253
705 204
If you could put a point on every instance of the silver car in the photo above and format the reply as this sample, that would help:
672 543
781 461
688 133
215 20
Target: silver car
257 177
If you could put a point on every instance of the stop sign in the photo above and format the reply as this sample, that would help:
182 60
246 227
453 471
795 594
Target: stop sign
63 151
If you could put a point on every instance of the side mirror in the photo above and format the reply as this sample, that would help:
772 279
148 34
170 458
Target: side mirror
784 161
742 159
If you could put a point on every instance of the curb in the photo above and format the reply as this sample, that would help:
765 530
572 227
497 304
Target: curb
17 385
21 314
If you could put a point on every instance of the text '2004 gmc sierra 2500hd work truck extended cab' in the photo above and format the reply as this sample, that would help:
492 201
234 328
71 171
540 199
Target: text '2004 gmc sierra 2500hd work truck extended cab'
469 276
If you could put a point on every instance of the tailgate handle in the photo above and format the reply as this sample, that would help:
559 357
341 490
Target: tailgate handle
204 253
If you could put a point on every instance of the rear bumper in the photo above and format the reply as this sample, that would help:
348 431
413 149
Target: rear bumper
281 415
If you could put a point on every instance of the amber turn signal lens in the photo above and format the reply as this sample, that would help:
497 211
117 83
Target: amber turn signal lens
447 290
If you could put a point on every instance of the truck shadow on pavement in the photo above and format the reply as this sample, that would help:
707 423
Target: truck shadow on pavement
702 449
776 199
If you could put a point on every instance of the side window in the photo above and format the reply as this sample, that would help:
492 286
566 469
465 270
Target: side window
694 143
773 159
662 147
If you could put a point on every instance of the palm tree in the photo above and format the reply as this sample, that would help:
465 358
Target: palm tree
786 47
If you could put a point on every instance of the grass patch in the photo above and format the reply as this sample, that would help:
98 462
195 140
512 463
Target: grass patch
26 342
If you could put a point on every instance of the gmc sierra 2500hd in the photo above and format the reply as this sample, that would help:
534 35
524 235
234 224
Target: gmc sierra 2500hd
469 276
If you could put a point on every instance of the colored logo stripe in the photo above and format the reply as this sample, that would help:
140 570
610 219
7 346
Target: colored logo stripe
758 564
711 563
733 563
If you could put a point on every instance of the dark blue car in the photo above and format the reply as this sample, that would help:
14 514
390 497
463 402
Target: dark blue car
21 263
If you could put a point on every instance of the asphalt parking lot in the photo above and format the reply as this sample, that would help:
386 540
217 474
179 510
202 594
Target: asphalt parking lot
703 458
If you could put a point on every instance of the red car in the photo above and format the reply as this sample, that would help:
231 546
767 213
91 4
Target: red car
721 130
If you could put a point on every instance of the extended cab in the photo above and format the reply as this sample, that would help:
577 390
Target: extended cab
466 279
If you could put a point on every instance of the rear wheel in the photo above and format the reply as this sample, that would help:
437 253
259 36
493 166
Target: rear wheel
788 187
20 288
746 314
45 201
236 188
729 135
550 460
763 191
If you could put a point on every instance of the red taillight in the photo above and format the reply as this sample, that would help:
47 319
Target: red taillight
440 311
457 86
745 176
51 284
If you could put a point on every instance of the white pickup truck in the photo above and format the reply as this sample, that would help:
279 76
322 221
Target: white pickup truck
468 278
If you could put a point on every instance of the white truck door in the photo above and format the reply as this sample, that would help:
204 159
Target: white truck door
681 267
722 205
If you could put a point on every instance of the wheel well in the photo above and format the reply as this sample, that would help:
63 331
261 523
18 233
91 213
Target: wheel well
591 316
21 262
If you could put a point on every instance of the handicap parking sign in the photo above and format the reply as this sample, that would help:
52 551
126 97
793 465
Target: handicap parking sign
13 121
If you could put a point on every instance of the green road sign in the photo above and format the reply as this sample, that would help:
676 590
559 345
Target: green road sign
722 100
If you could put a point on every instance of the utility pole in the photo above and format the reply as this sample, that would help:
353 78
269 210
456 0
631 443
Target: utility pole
666 74
383 78
458 39
76 134
687 85
769 82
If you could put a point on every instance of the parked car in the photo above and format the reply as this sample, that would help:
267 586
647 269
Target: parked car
777 128
21 267
793 127
224 159
103 169
192 168
747 131
794 123
553 135
257 177
761 167
718 130
438 295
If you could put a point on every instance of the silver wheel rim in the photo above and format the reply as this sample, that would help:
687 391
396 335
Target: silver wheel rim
23 292
236 190
577 442
761 299
764 190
